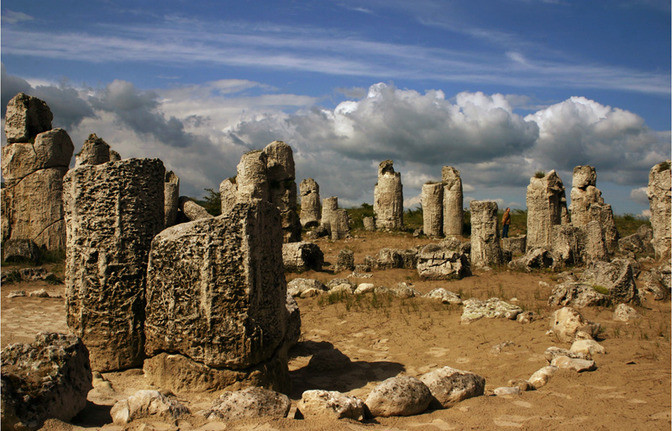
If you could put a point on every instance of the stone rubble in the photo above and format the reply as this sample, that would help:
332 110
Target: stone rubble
449 386
492 308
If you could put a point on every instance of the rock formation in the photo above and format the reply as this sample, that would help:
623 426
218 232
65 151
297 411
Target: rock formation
302 256
227 192
33 165
340 224
191 210
112 212
171 198
388 199
588 205
659 193
432 209
546 207
311 208
485 248
95 151
329 207
216 296
439 262
453 212
369 224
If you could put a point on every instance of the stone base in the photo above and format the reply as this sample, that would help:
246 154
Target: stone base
179 373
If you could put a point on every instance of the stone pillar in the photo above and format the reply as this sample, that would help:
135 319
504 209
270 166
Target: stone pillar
485 248
112 212
659 192
432 209
171 198
546 207
340 224
595 247
388 198
329 207
311 209
216 296
228 191
252 181
280 172
453 207
33 165
588 205
95 151
369 224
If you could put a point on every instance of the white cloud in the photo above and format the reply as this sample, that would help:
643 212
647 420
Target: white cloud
13 17
639 195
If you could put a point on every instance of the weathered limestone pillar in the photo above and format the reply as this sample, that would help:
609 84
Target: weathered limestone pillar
340 224
588 205
329 207
485 248
252 181
112 212
453 209
595 247
33 165
171 198
432 209
311 209
546 207
228 191
95 151
369 224
216 293
388 198
659 192
282 187
191 209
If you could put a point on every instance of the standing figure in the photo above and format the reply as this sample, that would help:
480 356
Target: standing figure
506 221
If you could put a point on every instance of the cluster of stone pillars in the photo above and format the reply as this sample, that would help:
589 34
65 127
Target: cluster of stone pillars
442 205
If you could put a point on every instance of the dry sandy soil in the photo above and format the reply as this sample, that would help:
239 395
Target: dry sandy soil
380 337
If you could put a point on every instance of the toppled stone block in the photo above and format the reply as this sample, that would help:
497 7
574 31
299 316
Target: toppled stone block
538 258
450 386
575 364
302 256
639 242
49 378
191 210
475 309
577 295
248 403
445 296
389 258
438 262
399 396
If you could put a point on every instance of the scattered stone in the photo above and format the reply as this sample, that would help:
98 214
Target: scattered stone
305 287
615 277
521 384
302 256
538 258
578 365
659 192
401 290
541 376
146 403
554 352
568 324
577 295
332 404
475 309
399 396
248 403
485 249
20 250
363 288
588 348
432 209
526 317
444 296
49 378
504 391
449 386
389 258
345 261
344 288
16 294
546 207
453 208
441 262
311 207
625 313
388 199
171 198
42 293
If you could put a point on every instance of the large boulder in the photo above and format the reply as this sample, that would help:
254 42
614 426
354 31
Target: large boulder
389 258
577 295
568 324
302 256
49 378
450 386
616 277
639 242
439 262
399 396
26 117
538 258
248 403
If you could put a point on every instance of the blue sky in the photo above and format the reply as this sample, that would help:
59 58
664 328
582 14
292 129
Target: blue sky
499 89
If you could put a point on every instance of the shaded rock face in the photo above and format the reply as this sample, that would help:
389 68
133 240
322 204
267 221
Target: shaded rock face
345 261
659 192
639 242
432 209
389 258
112 212
302 256
171 198
588 205
516 245
49 378
453 209
569 244
293 321
18 250
546 207
485 248
388 199
577 295
33 165
438 262
311 208
95 151
537 258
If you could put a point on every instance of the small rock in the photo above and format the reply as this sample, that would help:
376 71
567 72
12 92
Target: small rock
568 324
450 386
507 390
445 296
39 294
521 384
526 317
541 376
497 349
146 403
475 309
252 402
575 364
554 352
625 313
333 404
364 288
16 294
399 396
305 287
587 348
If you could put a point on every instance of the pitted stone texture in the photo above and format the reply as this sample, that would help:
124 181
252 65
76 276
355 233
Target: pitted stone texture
228 191
639 242
26 117
659 192
311 207
569 244
146 403
432 209
192 210
18 250
485 248
449 386
95 151
252 179
453 207
546 207
171 198
51 149
49 378
112 212
302 256
567 324
595 247
330 404
388 199
399 396
439 262
516 245
475 309
279 161
615 276
216 289
345 261
282 187
248 403
577 295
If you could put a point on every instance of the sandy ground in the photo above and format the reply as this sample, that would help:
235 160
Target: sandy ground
354 344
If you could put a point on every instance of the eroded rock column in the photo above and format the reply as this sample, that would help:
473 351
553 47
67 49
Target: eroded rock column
453 209
171 196
659 192
432 209
112 212
546 207
228 191
329 207
388 199
281 175
485 248
311 208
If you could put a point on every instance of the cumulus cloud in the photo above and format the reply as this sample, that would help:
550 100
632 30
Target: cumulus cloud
639 195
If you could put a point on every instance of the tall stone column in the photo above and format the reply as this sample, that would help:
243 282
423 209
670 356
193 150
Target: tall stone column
453 205
659 192
112 212
171 194
228 191
329 207
485 248
252 180
282 187
311 208
432 209
546 207
388 198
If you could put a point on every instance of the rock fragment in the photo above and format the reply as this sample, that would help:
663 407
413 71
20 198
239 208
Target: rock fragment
399 396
